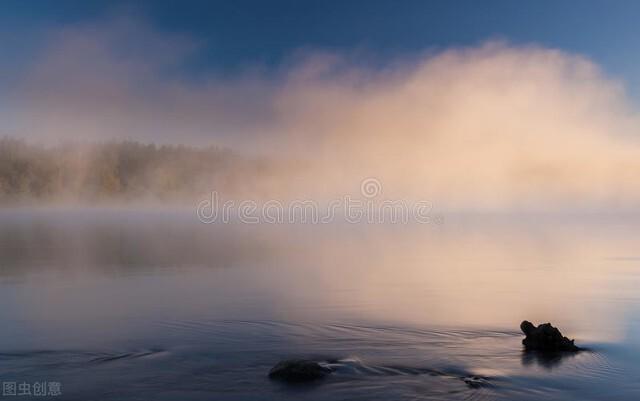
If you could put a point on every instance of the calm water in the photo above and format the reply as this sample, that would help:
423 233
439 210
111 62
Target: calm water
149 305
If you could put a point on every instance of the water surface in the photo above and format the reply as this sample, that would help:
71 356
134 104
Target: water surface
140 305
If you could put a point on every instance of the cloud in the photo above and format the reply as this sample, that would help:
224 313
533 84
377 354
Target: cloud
122 79
492 126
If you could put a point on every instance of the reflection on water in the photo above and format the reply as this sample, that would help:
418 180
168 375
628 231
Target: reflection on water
548 360
123 305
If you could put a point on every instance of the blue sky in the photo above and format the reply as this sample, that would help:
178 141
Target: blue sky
240 33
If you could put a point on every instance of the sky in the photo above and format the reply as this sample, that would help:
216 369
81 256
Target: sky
501 102
247 33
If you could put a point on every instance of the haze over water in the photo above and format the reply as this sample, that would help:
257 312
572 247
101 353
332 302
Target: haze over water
127 305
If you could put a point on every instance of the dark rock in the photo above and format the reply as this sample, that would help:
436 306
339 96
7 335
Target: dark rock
298 370
476 381
545 338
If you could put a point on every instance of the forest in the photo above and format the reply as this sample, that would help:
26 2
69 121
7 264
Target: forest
121 170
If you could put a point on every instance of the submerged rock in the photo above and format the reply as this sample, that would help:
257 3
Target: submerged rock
546 338
476 381
299 370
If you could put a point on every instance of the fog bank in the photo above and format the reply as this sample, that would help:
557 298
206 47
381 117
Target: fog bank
490 127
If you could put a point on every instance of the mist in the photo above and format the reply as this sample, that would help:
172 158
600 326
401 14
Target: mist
492 127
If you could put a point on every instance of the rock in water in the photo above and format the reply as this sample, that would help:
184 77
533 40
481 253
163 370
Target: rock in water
298 371
545 337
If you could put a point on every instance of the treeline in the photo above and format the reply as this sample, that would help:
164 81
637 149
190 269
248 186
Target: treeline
120 170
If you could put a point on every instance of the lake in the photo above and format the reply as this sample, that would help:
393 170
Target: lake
117 304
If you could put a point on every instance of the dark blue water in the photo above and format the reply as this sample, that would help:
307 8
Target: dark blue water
152 305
